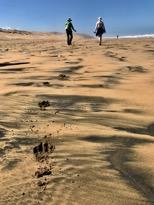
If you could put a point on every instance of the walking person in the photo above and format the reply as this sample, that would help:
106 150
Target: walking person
100 29
69 31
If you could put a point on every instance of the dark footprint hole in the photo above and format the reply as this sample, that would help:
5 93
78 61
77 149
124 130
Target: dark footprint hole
62 76
46 83
123 59
43 104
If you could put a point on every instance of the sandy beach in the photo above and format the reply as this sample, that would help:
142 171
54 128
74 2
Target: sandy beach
99 121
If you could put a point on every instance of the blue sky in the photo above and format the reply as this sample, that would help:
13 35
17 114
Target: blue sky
123 17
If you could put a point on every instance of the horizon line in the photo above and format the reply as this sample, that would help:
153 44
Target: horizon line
148 35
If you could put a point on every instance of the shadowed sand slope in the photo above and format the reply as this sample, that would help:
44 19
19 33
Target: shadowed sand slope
76 123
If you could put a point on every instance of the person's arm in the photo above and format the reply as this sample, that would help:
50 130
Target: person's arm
73 27
66 25
96 27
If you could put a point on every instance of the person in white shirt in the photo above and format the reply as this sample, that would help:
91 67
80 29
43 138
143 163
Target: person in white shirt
100 29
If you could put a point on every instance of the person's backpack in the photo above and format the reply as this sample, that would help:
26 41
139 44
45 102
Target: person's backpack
68 25
101 26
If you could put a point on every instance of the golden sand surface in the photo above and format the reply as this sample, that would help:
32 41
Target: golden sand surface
100 119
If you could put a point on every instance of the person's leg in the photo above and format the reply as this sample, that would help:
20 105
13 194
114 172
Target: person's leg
100 40
68 41
71 37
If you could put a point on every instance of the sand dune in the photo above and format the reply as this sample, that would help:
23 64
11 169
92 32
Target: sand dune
100 119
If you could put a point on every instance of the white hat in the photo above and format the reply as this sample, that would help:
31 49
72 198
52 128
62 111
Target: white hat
99 18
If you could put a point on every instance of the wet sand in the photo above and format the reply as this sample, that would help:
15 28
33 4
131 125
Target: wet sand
100 119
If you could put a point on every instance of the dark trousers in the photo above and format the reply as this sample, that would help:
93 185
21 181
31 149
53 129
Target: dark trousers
69 37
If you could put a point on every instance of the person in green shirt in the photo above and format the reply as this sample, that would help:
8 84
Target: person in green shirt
69 31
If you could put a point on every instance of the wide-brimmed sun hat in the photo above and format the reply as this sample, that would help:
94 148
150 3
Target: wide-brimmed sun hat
99 18
69 19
